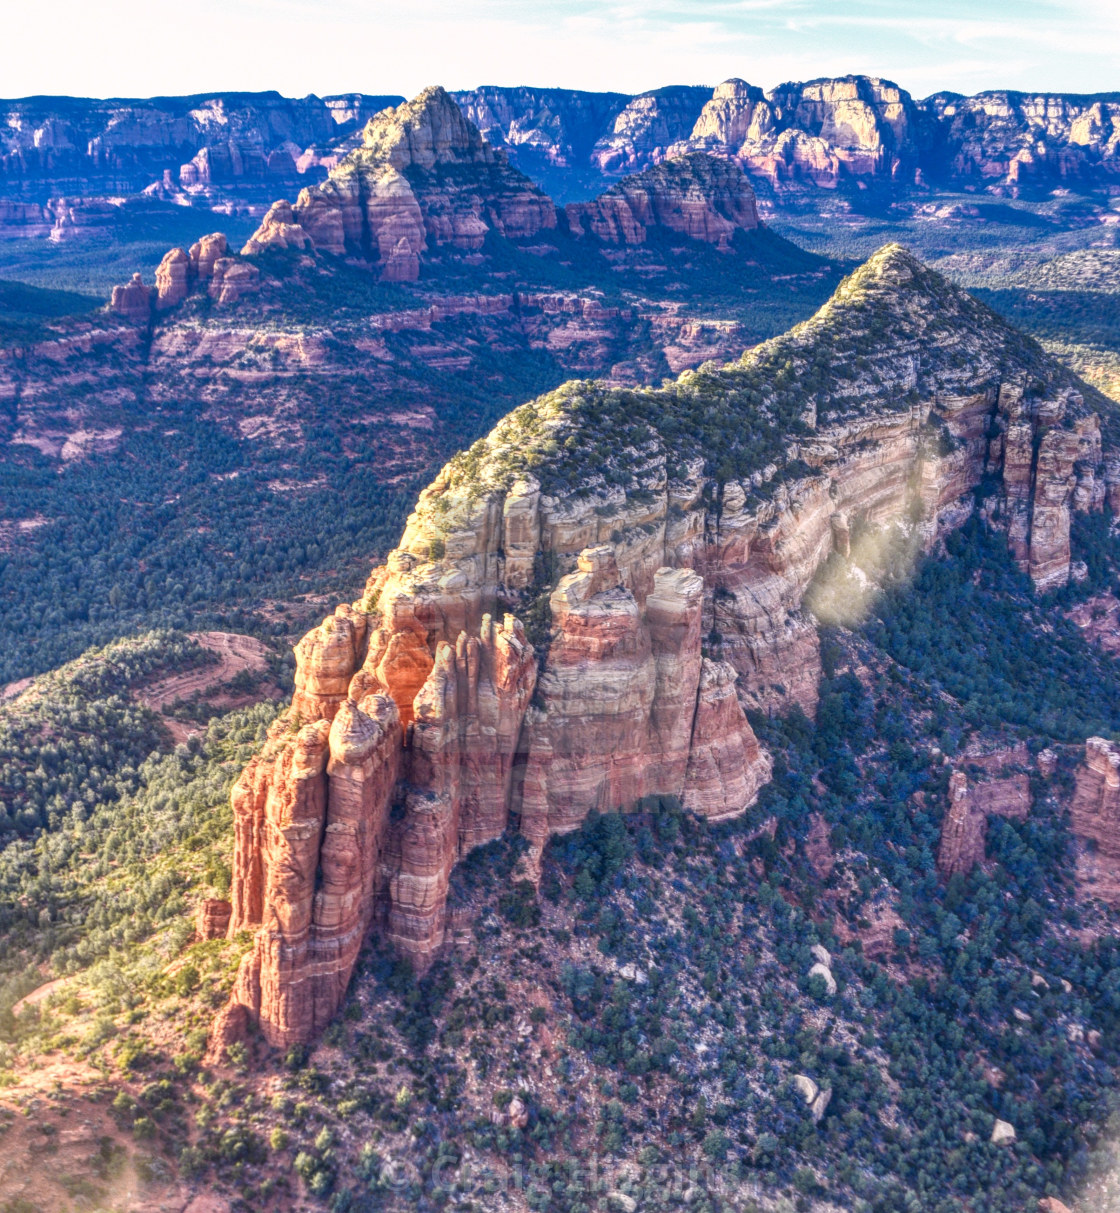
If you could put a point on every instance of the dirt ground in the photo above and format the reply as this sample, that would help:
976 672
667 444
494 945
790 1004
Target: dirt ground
235 653
62 1152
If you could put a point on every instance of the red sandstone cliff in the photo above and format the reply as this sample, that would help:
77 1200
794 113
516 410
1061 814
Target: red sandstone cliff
423 178
994 785
1095 819
695 195
666 600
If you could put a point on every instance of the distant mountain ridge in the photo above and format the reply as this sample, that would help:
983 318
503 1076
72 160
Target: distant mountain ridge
853 132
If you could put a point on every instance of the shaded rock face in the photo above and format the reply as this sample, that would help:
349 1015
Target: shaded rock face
695 195
647 127
423 178
556 125
1095 819
665 595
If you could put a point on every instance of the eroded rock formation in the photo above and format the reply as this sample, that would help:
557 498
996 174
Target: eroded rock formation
205 267
660 569
1095 819
311 824
695 195
994 784
423 178
133 300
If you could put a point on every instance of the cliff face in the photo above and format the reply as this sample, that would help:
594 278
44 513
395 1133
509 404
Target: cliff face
995 784
646 127
426 185
60 158
819 133
52 146
559 126
694 195
1095 819
1024 139
658 544
311 826
423 178
813 134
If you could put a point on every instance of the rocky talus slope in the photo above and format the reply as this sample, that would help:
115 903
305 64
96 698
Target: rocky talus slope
583 605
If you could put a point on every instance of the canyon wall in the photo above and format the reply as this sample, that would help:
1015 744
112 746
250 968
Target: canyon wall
820 133
52 146
65 163
664 599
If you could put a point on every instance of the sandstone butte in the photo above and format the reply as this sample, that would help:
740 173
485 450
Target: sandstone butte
584 603
426 183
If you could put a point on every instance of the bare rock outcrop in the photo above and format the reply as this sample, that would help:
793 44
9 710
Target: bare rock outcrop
173 279
181 273
212 918
279 229
646 127
423 178
994 785
311 825
133 301
695 195
651 591
1095 819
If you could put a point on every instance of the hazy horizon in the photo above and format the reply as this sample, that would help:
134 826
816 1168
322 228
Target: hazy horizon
298 47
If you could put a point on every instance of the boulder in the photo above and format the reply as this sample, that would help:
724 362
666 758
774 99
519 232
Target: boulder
1003 1133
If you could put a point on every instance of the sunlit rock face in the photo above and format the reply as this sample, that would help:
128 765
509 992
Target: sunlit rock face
423 178
658 559
694 195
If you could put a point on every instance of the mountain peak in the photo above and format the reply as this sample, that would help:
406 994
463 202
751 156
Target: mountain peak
893 265
427 131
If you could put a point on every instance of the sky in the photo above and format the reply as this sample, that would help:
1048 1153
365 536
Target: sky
163 47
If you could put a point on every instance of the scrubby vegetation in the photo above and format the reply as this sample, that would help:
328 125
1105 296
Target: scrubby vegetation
76 738
638 1027
107 893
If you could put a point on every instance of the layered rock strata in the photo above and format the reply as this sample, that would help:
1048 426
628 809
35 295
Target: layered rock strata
205 145
696 196
311 818
1095 819
423 178
658 544
994 785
